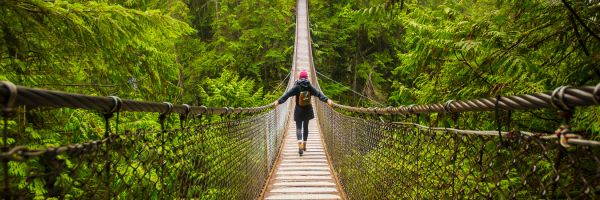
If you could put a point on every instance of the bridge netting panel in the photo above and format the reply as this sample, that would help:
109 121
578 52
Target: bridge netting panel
391 160
192 153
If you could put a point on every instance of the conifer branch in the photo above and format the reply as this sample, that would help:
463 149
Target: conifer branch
568 6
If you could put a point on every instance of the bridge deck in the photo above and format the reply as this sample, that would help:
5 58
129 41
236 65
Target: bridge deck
303 177
308 176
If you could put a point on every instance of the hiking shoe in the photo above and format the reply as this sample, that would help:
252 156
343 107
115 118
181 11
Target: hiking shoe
304 146
300 149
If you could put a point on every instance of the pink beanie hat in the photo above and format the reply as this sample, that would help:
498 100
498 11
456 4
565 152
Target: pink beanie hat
303 74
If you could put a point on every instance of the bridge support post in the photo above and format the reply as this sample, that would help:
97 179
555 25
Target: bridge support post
52 167
267 145
183 175
566 115
107 116
7 111
456 139
201 165
107 161
163 116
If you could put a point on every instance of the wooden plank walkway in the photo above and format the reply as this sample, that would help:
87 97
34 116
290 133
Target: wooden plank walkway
303 177
308 176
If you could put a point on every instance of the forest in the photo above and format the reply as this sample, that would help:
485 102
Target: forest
226 53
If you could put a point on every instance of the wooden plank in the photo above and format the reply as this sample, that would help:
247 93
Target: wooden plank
289 160
304 164
304 173
295 144
308 141
303 196
303 168
305 158
304 178
313 144
315 137
306 153
308 149
305 184
298 158
304 190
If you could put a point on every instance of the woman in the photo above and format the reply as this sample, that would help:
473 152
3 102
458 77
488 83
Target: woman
303 111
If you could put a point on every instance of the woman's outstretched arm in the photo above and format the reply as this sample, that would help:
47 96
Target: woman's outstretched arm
292 92
320 95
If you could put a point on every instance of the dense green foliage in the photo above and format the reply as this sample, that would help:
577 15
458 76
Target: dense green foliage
235 54
418 52
145 49
213 53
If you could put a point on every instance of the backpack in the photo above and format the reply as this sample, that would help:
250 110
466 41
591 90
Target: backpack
304 98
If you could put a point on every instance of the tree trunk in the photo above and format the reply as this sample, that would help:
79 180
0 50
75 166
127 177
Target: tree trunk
180 81
217 9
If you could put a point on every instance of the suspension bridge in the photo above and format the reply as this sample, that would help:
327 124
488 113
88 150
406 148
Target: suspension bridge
406 152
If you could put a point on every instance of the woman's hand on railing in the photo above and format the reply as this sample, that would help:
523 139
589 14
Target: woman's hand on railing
329 102
275 104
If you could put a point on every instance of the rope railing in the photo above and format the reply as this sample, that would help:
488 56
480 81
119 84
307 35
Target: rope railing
377 159
46 98
564 98
387 160
203 153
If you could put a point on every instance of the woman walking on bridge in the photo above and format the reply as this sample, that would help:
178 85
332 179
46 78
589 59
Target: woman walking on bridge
303 111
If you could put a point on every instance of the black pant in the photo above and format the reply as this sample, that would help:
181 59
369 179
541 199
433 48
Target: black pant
302 130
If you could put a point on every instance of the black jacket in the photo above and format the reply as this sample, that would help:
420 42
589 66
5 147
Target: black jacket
302 113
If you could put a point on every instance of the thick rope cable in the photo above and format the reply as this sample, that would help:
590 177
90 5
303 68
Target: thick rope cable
562 98
48 98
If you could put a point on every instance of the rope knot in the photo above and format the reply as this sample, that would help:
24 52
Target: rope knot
447 105
564 134
117 104
185 113
164 115
8 107
596 94
557 99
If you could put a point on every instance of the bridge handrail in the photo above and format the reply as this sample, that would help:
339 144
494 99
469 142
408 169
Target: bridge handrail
563 98
49 98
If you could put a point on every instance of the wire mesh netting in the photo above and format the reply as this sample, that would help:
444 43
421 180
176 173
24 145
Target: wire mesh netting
210 157
387 160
